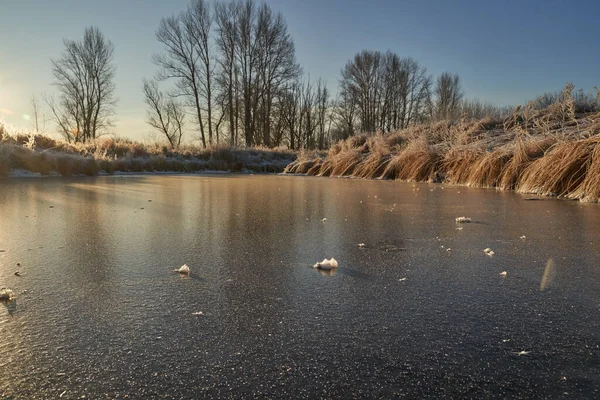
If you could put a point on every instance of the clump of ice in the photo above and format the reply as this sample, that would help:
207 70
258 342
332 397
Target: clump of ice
184 270
6 294
489 251
462 220
326 264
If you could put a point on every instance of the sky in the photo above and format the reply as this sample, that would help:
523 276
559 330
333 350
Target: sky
506 52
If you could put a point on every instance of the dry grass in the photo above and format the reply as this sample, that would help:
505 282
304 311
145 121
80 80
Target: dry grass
487 170
589 188
524 152
373 165
552 151
457 164
45 155
345 162
513 169
560 171
377 157
418 161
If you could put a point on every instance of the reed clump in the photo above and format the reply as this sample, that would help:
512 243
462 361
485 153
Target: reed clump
487 170
457 164
550 151
346 161
376 155
417 161
588 189
560 171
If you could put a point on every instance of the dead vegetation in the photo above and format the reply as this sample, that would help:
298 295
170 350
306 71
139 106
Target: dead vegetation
550 151
44 155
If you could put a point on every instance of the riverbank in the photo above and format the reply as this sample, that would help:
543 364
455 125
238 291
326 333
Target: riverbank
40 155
549 152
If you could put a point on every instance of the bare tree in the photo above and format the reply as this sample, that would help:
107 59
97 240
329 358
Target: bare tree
197 21
84 77
387 92
38 117
360 80
309 113
165 114
413 90
221 102
246 54
241 66
448 95
289 112
226 19
265 58
276 62
181 62
345 116
322 100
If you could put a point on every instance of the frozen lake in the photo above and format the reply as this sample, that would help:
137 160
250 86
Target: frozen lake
99 312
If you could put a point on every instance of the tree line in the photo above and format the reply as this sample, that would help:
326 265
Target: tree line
228 72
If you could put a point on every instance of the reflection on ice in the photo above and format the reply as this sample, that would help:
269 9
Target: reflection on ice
548 276
11 305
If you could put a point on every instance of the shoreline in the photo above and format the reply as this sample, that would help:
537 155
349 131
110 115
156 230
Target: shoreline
542 153
48 157
24 174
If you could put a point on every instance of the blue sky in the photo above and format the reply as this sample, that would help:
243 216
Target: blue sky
506 52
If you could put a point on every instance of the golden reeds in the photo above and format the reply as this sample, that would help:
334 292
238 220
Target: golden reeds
345 162
589 188
511 174
373 165
457 165
417 161
560 171
326 168
487 170
314 170
548 152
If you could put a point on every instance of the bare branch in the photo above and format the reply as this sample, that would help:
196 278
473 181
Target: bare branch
84 76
